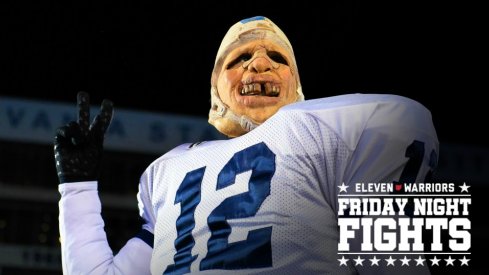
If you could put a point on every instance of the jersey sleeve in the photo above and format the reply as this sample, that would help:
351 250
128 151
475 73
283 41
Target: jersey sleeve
369 138
397 142
361 138
84 245
373 139
144 197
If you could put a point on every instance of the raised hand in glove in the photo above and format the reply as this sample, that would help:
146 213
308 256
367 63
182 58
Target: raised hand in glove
78 146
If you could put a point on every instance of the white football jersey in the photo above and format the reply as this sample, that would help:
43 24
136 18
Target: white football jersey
266 202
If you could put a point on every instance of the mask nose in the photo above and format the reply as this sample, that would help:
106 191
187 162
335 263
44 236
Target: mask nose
260 62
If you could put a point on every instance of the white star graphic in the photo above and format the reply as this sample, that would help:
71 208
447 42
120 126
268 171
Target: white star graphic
374 261
419 261
464 261
343 187
464 187
405 261
390 261
359 261
434 261
343 261
449 261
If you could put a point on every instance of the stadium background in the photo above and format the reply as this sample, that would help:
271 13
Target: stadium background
156 59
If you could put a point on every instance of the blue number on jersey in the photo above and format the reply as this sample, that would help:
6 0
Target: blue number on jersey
415 153
188 195
255 251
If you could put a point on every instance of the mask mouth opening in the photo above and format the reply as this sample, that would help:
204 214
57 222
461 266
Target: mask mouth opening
260 88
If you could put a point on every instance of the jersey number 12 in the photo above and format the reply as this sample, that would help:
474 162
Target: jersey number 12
255 251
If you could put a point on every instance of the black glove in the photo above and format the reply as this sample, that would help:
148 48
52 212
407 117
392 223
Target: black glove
78 147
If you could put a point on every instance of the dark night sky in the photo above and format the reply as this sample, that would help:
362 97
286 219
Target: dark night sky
133 53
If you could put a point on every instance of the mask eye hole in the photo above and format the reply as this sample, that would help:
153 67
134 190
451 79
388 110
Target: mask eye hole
241 58
277 57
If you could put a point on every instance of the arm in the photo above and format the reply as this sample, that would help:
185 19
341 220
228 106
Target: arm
84 245
85 250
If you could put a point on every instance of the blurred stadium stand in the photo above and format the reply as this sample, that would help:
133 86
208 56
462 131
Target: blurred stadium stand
29 235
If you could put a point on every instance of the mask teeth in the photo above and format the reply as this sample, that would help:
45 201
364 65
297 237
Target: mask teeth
275 91
265 89
257 87
271 90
